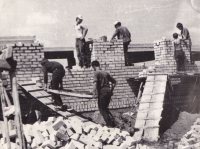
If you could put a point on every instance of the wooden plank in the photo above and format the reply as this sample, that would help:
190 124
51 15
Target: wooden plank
151 134
32 88
139 123
161 78
155 114
63 113
26 83
69 93
159 90
138 135
148 90
46 101
144 106
158 97
152 123
145 98
155 106
150 79
142 115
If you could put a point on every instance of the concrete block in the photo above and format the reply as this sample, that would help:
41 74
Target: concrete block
49 143
184 147
98 145
90 147
57 124
53 137
38 137
75 136
74 145
111 138
87 140
45 134
64 137
34 144
118 141
12 133
110 147
67 123
192 140
87 129
123 146
69 132
92 133
105 136
62 130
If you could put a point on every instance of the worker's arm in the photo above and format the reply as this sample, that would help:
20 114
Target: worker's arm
85 30
45 77
95 92
114 35
114 82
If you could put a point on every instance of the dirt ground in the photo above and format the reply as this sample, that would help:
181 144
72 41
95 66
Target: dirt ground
125 119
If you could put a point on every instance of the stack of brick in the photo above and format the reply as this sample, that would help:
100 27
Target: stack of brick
73 133
191 140
150 109
164 55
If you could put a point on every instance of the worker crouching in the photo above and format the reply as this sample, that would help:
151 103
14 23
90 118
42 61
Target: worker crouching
58 72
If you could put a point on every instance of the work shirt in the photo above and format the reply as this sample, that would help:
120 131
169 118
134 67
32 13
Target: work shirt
185 34
123 33
51 67
79 30
103 78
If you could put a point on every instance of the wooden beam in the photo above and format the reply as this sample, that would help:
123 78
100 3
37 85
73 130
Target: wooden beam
3 104
18 118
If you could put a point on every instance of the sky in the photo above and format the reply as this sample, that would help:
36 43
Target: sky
52 21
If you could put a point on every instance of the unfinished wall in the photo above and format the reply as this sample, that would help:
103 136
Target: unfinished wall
110 55
164 54
111 58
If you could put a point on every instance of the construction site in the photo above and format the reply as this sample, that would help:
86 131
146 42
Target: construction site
153 104
150 104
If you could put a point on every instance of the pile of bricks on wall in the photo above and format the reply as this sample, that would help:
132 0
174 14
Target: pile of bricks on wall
164 54
111 58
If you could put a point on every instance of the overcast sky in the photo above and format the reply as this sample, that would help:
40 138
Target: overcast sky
51 21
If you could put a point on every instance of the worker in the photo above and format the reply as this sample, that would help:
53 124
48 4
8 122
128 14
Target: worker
102 91
58 72
178 53
123 33
81 32
186 36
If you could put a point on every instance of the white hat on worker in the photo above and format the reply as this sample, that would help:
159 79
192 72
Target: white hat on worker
116 22
80 17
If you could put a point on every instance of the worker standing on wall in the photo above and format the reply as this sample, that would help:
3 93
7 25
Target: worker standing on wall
81 32
102 91
124 34
178 53
186 36
58 72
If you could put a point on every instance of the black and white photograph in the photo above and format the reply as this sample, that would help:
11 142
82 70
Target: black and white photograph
100 74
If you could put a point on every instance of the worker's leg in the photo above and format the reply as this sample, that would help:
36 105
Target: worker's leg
55 85
104 103
83 53
125 46
79 55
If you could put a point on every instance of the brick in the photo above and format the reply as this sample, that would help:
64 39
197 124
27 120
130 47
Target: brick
75 136
69 132
57 124
49 143
74 145
64 137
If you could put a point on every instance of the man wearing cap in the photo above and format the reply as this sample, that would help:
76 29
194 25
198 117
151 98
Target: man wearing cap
58 72
123 33
185 36
81 32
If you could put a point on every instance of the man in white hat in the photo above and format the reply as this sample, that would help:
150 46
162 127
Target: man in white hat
81 32
123 33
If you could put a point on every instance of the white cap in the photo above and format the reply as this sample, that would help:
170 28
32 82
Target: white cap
80 17
116 22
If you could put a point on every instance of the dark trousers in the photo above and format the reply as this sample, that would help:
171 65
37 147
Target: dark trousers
125 46
80 51
57 77
179 57
103 103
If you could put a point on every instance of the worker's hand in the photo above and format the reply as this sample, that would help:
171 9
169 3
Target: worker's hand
95 96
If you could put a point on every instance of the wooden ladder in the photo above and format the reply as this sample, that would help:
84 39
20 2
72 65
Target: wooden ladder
6 102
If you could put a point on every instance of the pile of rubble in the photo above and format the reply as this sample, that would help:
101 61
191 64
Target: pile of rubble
73 133
191 140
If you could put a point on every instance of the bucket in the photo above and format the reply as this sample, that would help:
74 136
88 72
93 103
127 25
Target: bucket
104 38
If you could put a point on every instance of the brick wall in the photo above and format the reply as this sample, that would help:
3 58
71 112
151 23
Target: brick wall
110 55
164 54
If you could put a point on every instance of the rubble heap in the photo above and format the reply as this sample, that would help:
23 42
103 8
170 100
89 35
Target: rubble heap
73 133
